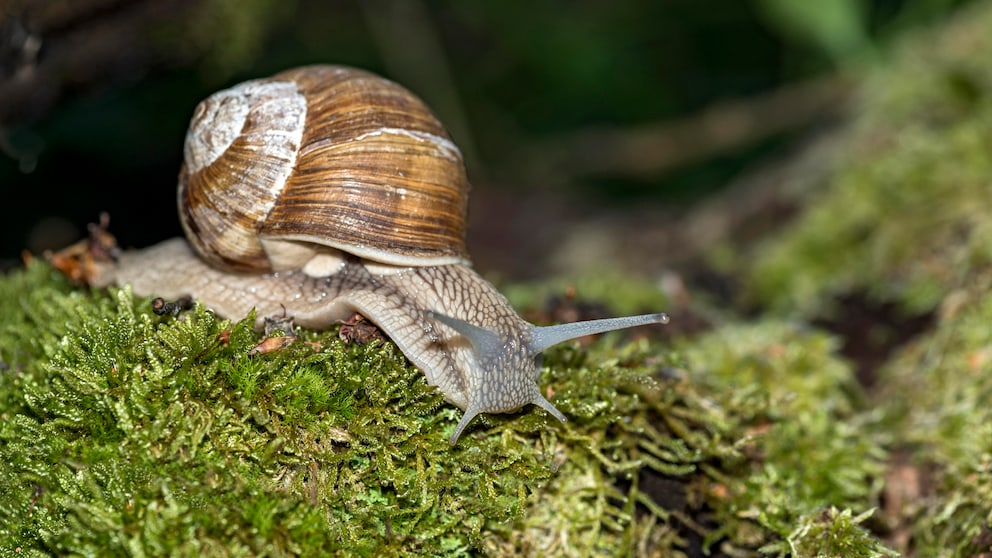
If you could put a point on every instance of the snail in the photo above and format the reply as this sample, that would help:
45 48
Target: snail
325 190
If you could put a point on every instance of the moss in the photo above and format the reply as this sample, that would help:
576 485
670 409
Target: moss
127 433
815 449
903 220
831 532
944 384
142 433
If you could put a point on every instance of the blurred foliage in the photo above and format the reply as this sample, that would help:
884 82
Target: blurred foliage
850 32
227 37
905 218
837 27
638 296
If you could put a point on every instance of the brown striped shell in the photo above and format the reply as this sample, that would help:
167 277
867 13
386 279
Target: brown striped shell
325 156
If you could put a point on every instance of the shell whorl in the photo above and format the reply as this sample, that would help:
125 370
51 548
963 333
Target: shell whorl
324 155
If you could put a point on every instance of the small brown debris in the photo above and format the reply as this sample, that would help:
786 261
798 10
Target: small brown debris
357 329
272 344
79 260
163 307
224 337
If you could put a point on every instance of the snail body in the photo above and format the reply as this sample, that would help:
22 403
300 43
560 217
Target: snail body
324 191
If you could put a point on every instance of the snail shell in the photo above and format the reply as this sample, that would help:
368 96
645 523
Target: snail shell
324 191
321 156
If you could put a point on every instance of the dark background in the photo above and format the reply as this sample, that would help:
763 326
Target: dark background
564 110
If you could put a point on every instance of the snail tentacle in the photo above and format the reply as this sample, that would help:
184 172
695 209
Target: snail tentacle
500 356
543 337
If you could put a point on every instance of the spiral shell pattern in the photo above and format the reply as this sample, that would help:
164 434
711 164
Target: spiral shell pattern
323 155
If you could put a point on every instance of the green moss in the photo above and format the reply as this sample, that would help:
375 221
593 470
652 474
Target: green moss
904 219
944 387
139 432
814 449
127 433
831 532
